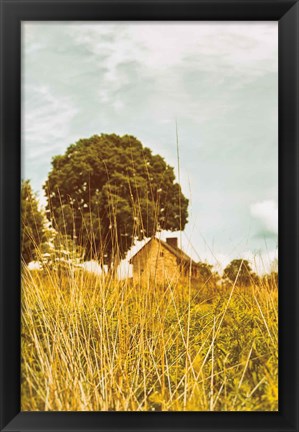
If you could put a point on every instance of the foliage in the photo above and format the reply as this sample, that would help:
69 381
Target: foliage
60 252
207 278
107 190
270 280
205 270
207 274
239 271
33 229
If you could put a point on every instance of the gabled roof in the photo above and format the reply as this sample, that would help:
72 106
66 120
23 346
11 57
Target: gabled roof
177 252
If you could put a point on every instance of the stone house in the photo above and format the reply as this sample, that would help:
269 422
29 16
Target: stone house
162 263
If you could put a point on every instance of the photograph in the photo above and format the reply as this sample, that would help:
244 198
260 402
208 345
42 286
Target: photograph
149 216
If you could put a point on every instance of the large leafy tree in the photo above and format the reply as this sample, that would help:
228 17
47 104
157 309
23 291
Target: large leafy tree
240 271
108 190
33 230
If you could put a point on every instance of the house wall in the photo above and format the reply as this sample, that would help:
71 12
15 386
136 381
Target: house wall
150 266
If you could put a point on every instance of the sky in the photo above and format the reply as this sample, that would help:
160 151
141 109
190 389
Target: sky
218 81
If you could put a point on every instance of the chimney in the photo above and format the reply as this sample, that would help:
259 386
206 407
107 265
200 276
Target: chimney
172 241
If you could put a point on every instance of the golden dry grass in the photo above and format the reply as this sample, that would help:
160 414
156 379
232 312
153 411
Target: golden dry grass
90 343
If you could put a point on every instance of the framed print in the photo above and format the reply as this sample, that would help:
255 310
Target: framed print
149 222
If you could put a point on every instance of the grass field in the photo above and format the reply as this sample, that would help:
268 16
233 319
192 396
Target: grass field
90 343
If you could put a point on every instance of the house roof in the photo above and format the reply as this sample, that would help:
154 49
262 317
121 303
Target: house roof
179 253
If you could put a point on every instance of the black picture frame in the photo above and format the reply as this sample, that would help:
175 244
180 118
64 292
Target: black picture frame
286 12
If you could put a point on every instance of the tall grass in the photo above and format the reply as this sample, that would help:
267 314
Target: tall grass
93 343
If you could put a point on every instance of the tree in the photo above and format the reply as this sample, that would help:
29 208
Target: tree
60 252
205 271
33 231
108 190
270 280
240 271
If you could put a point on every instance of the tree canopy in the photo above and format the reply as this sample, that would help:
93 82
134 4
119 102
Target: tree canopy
107 190
33 232
239 270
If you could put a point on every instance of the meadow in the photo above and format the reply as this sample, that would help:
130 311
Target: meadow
94 343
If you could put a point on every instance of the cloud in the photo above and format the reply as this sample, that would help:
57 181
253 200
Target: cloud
46 122
47 115
262 262
219 80
267 213
163 45
164 61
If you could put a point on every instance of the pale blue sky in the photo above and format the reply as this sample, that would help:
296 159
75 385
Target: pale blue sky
218 80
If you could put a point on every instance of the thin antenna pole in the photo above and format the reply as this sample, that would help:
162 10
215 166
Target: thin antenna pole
179 178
